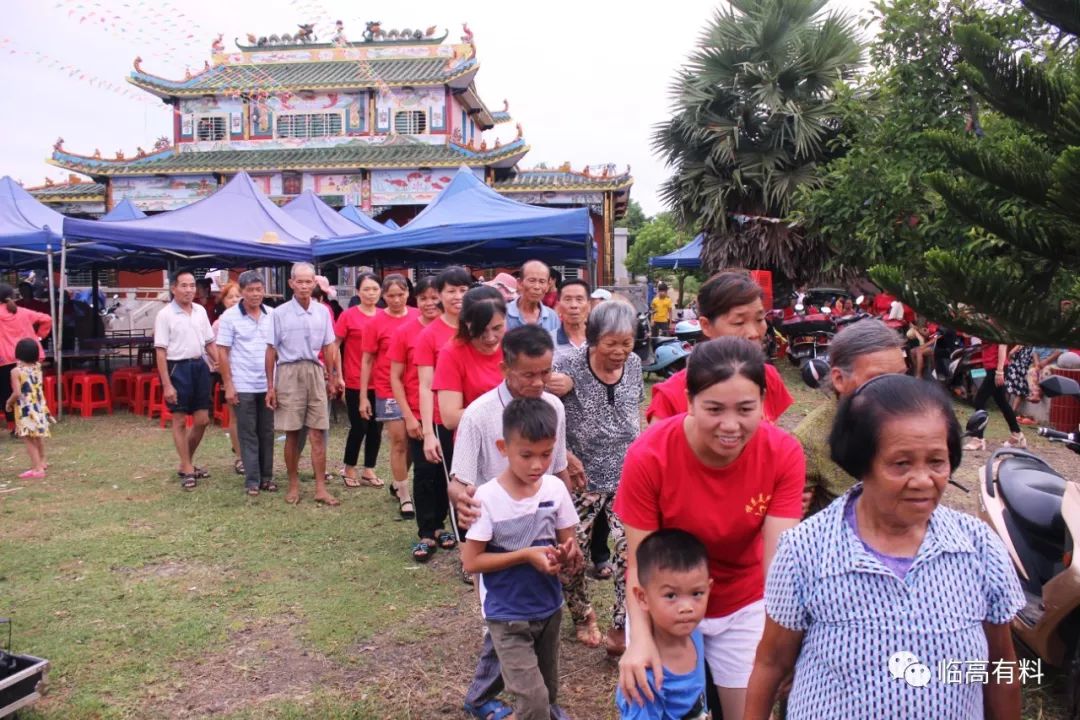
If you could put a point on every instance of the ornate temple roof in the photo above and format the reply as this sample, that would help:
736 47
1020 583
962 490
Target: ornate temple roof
563 179
69 192
314 75
398 153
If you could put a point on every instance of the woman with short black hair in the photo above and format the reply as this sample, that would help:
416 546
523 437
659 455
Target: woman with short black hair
735 482
869 599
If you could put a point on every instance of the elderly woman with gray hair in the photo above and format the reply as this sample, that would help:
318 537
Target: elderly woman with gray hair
859 352
603 416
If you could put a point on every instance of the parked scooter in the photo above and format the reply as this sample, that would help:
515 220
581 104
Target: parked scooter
663 356
808 335
1035 511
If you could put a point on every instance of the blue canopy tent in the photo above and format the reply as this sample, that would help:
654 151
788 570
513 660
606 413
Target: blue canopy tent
309 209
235 225
353 214
688 256
124 210
471 223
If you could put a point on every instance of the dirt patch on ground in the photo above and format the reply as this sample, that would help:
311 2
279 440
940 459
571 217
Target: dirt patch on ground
421 669
263 662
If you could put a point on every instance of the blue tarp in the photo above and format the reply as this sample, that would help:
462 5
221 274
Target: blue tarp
236 223
124 210
309 209
354 214
25 222
688 256
467 222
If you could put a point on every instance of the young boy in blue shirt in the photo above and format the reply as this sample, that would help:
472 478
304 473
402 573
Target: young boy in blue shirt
673 573
525 535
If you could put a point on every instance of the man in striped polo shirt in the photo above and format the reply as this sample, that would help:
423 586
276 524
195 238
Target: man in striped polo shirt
244 331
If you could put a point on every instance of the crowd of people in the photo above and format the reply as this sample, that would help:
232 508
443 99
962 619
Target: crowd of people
741 554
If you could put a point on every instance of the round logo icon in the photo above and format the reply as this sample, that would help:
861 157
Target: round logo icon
899 662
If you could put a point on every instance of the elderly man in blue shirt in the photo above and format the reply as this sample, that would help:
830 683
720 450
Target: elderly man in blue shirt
529 308
298 386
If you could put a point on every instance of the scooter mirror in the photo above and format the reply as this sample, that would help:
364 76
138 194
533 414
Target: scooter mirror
977 422
1058 386
814 371
799 307
826 309
860 300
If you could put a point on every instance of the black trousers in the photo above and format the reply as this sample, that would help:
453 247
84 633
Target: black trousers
990 389
430 496
5 388
362 432
598 547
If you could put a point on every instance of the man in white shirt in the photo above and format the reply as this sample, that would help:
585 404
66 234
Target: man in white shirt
527 358
182 336
244 331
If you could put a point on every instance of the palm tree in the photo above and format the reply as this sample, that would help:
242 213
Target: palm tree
753 114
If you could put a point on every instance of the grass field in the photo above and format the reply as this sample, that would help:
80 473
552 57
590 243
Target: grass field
154 603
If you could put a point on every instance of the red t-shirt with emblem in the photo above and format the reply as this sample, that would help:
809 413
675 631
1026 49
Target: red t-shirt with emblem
377 341
402 350
350 328
464 369
426 354
665 485
669 397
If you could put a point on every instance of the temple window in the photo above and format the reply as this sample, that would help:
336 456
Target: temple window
211 127
292 183
410 122
309 125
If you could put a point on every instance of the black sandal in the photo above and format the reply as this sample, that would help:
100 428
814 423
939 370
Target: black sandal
269 486
188 481
406 514
253 492
238 466
446 540
201 473
422 552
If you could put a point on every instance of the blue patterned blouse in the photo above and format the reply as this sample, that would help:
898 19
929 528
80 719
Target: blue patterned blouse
875 645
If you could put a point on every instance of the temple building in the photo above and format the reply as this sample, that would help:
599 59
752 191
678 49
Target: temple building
380 123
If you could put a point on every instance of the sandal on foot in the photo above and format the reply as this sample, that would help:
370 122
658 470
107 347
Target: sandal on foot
188 481
351 481
602 571
253 492
446 540
327 500
32 475
238 466
269 486
491 710
422 551
375 482
406 509
201 473
975 444
588 632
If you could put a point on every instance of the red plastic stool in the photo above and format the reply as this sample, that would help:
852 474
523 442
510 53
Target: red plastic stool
84 396
140 400
222 411
167 416
69 381
156 403
122 385
49 386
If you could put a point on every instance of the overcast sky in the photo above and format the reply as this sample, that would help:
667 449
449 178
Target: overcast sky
586 78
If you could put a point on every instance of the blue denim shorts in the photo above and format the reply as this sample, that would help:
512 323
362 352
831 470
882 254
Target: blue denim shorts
191 378
387 409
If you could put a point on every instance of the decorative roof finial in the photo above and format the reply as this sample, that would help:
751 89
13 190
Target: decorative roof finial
217 46
138 64
49 182
520 132
467 38
506 105
339 38
119 154
58 146
97 153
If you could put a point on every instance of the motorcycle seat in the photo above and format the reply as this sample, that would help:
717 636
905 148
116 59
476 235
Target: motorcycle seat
1033 495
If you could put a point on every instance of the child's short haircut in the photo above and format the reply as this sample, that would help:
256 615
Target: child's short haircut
532 419
27 350
669 549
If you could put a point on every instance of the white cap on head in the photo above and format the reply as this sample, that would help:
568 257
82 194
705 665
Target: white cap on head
601 294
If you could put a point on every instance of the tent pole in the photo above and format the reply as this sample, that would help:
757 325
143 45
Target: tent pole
95 303
55 333
60 314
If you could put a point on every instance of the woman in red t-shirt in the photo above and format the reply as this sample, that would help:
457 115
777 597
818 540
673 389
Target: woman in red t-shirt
730 304
429 483
735 483
350 329
993 385
470 364
375 379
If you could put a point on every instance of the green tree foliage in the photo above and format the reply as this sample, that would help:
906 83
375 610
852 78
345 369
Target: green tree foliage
633 220
1018 189
658 236
754 113
873 205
